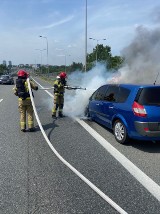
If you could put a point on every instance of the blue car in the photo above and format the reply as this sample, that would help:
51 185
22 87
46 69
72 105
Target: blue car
131 111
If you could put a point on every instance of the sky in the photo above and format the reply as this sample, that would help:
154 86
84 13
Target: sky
62 25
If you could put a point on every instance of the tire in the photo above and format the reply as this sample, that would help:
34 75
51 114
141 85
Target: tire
120 132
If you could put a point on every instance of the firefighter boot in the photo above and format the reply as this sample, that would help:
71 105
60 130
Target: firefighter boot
60 114
53 115
23 129
33 129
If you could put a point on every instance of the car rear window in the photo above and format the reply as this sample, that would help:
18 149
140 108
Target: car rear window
149 96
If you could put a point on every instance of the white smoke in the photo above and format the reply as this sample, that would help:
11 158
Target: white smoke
77 100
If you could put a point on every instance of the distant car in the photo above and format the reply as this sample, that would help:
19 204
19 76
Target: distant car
6 79
130 111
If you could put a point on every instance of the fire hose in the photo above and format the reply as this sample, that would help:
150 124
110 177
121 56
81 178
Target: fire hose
67 87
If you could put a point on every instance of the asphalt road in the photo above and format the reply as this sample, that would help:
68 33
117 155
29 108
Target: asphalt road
34 181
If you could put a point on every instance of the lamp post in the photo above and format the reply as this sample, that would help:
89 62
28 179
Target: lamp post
41 56
65 59
97 46
47 52
65 55
86 39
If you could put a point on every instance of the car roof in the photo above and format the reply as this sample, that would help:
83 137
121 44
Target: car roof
130 86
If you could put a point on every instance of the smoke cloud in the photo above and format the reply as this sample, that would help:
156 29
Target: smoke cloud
142 62
77 100
141 65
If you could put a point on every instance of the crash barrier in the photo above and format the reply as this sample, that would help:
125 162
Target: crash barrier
97 190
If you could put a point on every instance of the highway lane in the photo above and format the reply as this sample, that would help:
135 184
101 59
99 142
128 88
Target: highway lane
144 154
13 156
35 181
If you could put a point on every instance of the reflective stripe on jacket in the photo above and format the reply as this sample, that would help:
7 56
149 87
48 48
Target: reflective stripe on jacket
59 87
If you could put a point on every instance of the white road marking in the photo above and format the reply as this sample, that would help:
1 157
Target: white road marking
1 100
43 88
146 181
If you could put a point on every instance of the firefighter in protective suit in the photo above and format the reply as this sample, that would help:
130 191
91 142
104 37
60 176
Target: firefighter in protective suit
24 101
59 89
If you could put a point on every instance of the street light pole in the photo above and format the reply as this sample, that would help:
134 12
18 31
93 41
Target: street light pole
47 52
65 60
86 39
65 55
41 56
97 47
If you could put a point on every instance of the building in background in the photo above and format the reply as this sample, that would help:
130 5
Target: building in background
4 63
9 65
21 65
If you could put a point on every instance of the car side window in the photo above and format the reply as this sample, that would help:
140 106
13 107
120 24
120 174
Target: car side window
112 93
93 96
123 94
100 93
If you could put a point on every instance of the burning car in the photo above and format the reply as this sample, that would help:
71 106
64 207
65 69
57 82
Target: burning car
130 111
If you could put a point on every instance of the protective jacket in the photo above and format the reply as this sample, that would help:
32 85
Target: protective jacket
59 90
21 89
59 87
24 103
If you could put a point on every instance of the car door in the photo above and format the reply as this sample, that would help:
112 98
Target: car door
108 103
96 103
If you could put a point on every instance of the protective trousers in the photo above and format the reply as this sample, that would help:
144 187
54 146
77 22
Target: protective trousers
26 109
58 103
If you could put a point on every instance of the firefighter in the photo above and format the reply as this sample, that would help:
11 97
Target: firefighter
59 89
24 101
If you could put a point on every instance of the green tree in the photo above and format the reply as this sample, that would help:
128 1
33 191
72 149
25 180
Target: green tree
3 68
103 54
74 67
116 62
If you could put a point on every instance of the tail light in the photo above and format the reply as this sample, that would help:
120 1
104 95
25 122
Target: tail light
139 110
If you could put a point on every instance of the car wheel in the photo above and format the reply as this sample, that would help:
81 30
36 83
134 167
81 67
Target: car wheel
120 132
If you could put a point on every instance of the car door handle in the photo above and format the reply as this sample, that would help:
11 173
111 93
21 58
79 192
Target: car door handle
97 104
110 106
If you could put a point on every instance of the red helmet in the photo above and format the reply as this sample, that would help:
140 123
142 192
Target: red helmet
22 73
63 75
